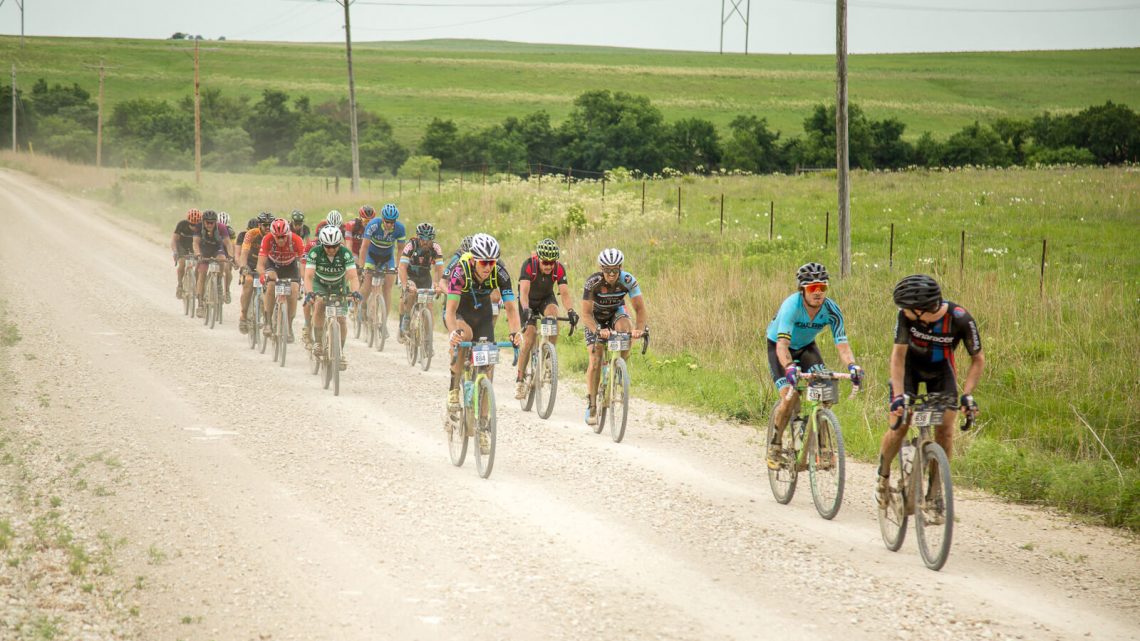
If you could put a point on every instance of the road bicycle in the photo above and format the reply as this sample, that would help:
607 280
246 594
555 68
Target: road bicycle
358 312
541 379
418 339
922 486
476 417
212 297
328 360
190 285
253 314
612 401
811 440
279 324
377 310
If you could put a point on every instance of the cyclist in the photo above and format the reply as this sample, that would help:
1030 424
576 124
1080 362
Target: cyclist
297 224
209 242
279 257
354 231
603 312
927 331
182 243
791 343
231 253
250 250
467 314
421 256
335 271
378 249
464 247
335 219
537 280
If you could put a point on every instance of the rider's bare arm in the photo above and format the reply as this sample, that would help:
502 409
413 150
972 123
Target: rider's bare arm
974 374
641 313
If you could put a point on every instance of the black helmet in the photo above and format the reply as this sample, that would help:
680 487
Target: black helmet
210 216
251 223
264 218
298 217
811 273
918 291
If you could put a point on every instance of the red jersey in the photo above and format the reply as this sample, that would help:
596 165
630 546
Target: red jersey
354 234
284 254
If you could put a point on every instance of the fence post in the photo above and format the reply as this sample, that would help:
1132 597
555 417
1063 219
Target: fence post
891 251
603 186
336 184
1041 287
419 182
962 257
826 226
722 213
643 197
484 174
678 203
569 173
439 179
771 218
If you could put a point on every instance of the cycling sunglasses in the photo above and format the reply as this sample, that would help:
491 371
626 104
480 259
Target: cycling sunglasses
487 263
611 272
811 288
547 263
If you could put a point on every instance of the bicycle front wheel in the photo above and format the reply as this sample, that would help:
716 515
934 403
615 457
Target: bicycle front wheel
282 331
893 518
382 330
211 303
252 318
619 401
333 365
934 507
457 438
782 479
546 385
485 430
826 465
527 401
357 319
412 344
426 334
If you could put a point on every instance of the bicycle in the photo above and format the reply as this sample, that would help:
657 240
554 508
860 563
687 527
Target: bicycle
544 360
213 294
613 385
477 406
418 340
279 324
812 440
336 308
190 285
253 312
920 456
358 312
377 310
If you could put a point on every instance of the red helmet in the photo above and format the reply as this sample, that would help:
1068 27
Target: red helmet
367 212
194 216
280 227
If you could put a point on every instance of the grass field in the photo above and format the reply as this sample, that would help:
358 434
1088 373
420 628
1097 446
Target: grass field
478 83
1061 422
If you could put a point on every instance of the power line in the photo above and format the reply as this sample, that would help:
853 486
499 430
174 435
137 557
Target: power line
473 22
894 6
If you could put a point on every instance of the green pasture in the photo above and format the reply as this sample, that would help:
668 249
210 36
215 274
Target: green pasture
479 83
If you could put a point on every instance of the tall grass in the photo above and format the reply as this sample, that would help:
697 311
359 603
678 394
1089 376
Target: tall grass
1060 392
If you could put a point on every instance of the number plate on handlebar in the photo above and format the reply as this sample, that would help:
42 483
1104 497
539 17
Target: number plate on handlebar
927 418
618 342
548 327
482 355
425 298
281 289
335 311
823 391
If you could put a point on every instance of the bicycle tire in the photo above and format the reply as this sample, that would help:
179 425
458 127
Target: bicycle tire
382 330
282 331
457 437
221 298
264 338
412 342
315 362
933 542
211 303
426 334
485 426
334 353
251 321
357 319
186 293
600 401
826 465
621 391
371 309
893 520
531 396
783 479
192 289
548 375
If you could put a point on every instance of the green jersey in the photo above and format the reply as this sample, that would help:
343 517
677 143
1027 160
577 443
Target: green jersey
329 270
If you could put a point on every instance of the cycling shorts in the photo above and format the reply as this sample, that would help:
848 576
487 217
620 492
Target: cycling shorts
538 308
291 271
339 287
422 280
603 323
376 262
483 325
938 377
808 358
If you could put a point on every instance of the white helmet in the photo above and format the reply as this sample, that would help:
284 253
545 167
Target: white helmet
611 257
223 218
334 218
484 247
330 236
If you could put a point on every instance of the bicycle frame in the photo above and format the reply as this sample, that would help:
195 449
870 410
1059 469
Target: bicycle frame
610 357
813 407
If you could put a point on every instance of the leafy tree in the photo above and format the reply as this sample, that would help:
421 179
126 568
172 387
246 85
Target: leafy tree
320 150
693 143
888 149
607 130
231 149
150 132
178 35
534 132
60 136
753 147
1015 134
928 151
419 167
976 145
441 139
1111 132
272 125
25 120
48 101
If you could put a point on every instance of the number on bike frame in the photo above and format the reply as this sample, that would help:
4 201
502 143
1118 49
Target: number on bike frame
482 355
549 327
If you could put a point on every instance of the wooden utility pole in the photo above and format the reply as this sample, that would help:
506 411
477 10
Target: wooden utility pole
99 123
13 106
351 99
841 159
197 122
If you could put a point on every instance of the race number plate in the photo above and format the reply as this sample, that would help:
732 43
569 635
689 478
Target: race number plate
334 311
619 343
926 418
376 280
494 309
281 289
425 298
815 393
549 327
482 355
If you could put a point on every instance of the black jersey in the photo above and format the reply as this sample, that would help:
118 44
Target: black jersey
541 285
186 233
930 344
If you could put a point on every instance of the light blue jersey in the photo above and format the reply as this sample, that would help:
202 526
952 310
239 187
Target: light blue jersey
792 322
384 243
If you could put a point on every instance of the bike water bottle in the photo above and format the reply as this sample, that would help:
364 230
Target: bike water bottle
798 432
907 454
468 391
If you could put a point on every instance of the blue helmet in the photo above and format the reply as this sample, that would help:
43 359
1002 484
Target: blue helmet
389 212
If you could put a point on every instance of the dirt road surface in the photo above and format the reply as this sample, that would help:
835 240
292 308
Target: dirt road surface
219 496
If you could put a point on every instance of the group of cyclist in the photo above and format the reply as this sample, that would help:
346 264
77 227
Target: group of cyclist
350 258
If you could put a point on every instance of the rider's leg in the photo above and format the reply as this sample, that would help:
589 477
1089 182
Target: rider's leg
457 366
625 325
319 325
295 289
246 294
228 277
366 287
181 269
552 311
200 286
389 279
267 298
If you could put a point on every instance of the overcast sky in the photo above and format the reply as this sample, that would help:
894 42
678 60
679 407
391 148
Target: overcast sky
777 26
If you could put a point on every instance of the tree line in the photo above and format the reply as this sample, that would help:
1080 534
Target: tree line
604 130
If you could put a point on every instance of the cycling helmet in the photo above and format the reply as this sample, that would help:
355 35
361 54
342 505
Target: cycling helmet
367 212
280 227
918 291
389 212
611 257
811 273
194 216
330 236
334 218
547 249
264 218
210 216
425 231
251 223
298 217
224 218
465 245
484 247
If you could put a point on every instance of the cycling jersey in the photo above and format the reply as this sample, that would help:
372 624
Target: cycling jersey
420 259
186 233
303 232
330 271
353 234
383 242
475 295
212 244
284 254
792 322
608 299
930 344
541 284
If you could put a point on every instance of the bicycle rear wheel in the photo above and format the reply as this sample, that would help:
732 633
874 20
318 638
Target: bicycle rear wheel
934 507
412 343
619 402
892 519
527 401
485 429
426 334
546 385
382 331
826 466
333 332
220 288
211 303
253 320
783 479
357 319
457 438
